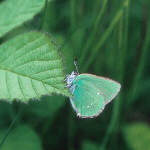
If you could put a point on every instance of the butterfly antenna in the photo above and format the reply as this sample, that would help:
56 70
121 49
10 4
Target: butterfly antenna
76 66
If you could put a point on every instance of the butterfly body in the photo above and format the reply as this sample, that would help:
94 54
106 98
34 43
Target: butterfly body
90 93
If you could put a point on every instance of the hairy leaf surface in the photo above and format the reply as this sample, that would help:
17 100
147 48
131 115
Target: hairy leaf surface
30 66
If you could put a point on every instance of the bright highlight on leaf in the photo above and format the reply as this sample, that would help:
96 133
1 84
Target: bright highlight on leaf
15 12
30 67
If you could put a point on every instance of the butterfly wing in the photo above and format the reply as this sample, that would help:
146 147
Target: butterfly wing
86 100
91 93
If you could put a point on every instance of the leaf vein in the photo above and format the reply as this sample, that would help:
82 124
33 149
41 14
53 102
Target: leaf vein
21 88
31 61
46 70
19 49
7 86
34 88
29 77
45 87
31 51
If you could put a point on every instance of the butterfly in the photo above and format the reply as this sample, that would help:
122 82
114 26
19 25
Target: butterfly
90 93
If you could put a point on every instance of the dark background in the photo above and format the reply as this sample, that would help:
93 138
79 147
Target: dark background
108 38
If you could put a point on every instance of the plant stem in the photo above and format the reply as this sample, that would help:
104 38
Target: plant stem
11 126
95 28
122 40
73 14
140 68
103 39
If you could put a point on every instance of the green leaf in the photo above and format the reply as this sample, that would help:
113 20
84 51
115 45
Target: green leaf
47 107
15 12
23 138
137 136
30 67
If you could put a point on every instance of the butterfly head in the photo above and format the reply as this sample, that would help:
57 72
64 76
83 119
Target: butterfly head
69 78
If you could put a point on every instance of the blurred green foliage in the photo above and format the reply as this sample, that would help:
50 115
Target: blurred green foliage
137 135
108 38
27 139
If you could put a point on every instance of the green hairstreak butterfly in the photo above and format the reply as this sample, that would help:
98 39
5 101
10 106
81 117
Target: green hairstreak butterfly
90 93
